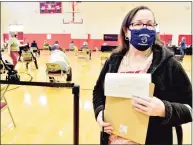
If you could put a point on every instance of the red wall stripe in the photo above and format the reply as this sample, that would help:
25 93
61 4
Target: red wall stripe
65 39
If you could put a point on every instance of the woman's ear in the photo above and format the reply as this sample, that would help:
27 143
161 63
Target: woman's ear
125 30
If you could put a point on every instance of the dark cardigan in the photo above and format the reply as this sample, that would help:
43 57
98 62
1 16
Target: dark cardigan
172 86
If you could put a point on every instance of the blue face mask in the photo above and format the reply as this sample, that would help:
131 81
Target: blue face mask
142 39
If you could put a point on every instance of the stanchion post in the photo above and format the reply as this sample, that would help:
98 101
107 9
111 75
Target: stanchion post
75 91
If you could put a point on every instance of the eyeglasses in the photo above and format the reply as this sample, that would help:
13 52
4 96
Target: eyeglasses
139 25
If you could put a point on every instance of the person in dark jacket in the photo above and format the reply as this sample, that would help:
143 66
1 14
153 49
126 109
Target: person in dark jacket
140 51
34 44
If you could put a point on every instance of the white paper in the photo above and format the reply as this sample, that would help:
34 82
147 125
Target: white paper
123 129
49 36
127 85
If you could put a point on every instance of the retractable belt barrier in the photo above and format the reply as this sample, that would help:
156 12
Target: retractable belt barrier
75 92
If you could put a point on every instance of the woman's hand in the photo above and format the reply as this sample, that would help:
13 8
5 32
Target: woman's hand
150 106
107 127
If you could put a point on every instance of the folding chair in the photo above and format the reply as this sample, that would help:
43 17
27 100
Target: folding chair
46 47
88 52
54 70
4 104
34 50
81 54
27 57
85 53
76 51
104 56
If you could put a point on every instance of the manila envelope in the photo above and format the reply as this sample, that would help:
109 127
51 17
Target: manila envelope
126 121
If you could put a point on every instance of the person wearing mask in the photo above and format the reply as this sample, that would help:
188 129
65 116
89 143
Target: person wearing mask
59 57
182 46
13 48
140 51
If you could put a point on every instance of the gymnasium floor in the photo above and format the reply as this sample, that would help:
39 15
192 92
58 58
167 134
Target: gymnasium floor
44 115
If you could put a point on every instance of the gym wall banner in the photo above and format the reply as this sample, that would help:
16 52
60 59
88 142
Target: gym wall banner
110 37
49 36
50 7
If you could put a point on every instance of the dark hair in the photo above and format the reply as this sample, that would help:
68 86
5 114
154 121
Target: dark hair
124 44
56 42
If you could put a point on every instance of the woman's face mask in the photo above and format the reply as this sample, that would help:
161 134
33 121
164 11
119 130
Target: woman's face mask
142 39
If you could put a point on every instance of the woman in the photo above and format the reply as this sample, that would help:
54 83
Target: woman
13 49
140 51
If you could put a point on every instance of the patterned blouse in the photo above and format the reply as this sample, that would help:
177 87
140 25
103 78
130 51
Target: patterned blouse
123 68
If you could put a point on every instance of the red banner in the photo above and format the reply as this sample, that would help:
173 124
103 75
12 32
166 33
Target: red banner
167 38
188 39
50 7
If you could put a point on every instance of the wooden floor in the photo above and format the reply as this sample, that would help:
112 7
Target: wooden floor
44 115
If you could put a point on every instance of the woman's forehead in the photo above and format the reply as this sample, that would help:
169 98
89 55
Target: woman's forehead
144 16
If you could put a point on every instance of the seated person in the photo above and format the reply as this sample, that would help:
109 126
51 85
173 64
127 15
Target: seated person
55 46
46 45
84 46
59 57
72 46
24 47
34 44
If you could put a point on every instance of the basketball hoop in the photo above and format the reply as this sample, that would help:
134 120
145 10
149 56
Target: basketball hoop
71 22
74 12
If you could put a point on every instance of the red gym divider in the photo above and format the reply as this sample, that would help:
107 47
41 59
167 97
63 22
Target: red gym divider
188 39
